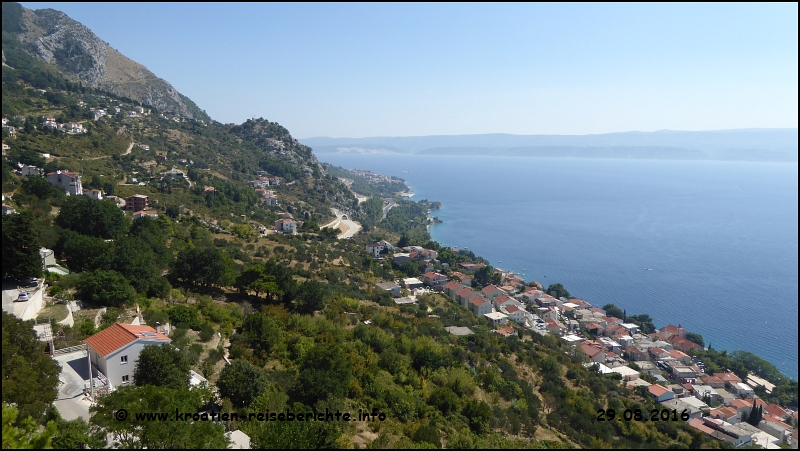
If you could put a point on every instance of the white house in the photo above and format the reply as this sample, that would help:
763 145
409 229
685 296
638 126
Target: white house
70 181
30 170
516 314
115 350
480 305
286 225
412 283
376 248
497 318
95 194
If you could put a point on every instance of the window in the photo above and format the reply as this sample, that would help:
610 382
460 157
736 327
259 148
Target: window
126 378
123 360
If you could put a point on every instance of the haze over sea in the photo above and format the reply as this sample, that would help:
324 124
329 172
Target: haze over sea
720 237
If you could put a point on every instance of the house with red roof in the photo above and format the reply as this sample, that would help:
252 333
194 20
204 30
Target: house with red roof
680 356
452 287
659 353
115 350
682 343
593 351
434 279
516 314
464 295
660 393
480 305
712 381
505 331
728 377
491 291
635 354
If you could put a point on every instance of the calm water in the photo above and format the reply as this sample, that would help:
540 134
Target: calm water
720 237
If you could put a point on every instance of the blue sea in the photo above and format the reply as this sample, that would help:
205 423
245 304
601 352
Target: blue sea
720 238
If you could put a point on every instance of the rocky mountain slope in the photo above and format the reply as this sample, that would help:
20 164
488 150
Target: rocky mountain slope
80 56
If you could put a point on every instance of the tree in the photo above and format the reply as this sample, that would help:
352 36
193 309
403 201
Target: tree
241 382
695 338
163 366
21 257
39 187
85 253
261 332
311 296
207 267
558 291
30 377
613 310
325 373
108 288
133 432
91 217
486 275
77 434
24 432
478 414
254 278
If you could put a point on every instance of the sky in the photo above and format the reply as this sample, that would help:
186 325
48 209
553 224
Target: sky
360 70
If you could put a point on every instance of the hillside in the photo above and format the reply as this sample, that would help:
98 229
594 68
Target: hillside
299 315
82 57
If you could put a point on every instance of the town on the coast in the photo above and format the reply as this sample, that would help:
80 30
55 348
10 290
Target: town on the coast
658 363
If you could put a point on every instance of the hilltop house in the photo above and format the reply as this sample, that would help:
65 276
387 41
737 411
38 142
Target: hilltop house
70 181
376 248
115 350
434 279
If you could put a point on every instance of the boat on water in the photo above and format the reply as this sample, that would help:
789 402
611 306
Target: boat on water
648 269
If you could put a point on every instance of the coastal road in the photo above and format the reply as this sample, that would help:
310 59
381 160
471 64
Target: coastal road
391 203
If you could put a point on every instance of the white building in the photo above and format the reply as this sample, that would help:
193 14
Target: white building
114 351
376 248
70 181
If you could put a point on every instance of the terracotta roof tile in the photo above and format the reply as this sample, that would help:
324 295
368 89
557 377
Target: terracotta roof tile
118 335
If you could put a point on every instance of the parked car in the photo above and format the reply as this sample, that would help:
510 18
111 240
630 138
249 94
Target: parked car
24 296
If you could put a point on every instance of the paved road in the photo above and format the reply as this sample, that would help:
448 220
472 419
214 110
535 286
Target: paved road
391 203
347 226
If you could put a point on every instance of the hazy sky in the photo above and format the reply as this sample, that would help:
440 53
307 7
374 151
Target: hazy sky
361 70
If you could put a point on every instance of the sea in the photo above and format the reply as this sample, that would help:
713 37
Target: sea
710 245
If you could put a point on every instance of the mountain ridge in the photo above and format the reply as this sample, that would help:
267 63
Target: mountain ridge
81 56
752 144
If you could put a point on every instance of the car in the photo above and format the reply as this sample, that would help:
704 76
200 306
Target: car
24 296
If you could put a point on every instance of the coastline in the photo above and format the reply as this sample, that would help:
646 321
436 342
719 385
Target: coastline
599 253
620 304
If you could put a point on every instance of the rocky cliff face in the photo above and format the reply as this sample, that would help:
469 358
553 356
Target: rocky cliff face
79 55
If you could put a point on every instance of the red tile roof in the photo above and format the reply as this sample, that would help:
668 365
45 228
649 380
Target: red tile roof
118 335
728 377
512 309
657 390
505 330
697 423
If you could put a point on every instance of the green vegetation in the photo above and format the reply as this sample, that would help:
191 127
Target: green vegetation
30 376
289 309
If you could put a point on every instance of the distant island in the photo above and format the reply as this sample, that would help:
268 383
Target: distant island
777 145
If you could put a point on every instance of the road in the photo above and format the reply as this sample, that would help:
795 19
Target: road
391 203
347 227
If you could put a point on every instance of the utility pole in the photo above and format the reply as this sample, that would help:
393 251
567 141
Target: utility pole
91 379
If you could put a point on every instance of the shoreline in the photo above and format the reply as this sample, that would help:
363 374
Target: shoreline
428 227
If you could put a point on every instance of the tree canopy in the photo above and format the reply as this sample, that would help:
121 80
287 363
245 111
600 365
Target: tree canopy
241 382
163 366
21 257
30 377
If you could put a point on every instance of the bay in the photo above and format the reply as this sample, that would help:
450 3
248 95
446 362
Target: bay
719 238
